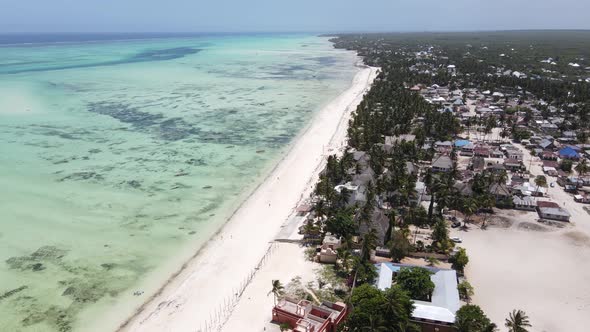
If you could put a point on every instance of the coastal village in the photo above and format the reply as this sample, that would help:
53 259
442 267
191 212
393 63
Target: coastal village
436 152
218 167
446 190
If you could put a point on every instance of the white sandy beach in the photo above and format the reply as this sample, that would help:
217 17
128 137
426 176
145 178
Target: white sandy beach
543 272
206 288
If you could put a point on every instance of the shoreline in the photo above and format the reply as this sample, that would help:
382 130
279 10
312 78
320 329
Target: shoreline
191 296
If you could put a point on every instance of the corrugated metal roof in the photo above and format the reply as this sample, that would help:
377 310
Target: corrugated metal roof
445 298
424 310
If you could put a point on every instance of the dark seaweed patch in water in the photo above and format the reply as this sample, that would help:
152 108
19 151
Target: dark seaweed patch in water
132 183
125 114
163 54
280 139
36 260
325 60
12 292
167 129
61 132
196 162
211 206
86 291
236 131
289 71
60 318
83 285
145 56
79 176
176 129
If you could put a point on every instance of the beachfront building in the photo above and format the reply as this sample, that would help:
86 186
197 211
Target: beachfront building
303 316
552 211
357 193
438 314
328 251
526 203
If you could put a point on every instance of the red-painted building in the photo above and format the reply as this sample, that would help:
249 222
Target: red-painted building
303 316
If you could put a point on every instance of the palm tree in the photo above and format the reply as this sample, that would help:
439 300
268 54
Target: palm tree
375 324
432 261
277 290
487 202
492 327
517 321
465 290
344 197
582 167
345 259
540 181
369 243
469 207
390 228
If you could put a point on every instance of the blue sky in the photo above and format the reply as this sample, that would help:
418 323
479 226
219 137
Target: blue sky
289 15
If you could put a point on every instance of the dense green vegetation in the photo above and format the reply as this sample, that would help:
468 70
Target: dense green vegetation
416 281
470 318
368 196
375 310
480 57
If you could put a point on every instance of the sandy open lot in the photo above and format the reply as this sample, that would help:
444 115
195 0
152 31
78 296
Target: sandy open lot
541 269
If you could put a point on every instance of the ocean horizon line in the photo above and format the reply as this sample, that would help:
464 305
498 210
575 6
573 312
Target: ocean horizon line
11 39
8 39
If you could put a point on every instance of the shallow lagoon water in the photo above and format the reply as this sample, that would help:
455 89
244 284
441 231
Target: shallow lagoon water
118 159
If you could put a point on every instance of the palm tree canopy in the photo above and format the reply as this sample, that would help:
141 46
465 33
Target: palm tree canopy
277 288
517 321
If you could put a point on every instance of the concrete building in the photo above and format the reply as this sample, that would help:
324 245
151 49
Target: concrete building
443 147
529 189
513 164
328 251
439 313
552 211
526 203
303 316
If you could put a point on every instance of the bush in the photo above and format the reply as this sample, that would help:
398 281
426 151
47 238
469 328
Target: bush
465 290
459 260
416 281
470 318
566 165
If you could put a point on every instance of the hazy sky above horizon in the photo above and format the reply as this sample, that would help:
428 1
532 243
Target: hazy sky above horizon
285 15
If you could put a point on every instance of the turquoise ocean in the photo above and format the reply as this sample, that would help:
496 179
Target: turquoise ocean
120 155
